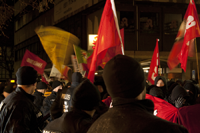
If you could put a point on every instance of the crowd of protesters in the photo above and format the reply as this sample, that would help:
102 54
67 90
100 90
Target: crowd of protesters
119 101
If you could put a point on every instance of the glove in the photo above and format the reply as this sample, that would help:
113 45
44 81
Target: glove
179 102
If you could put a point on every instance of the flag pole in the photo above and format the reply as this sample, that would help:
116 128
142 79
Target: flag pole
197 60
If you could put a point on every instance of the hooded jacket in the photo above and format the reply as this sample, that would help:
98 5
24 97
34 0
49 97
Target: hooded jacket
164 88
133 116
18 114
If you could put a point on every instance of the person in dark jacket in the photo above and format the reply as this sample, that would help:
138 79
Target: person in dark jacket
131 112
85 99
179 97
62 102
7 90
192 90
39 94
18 114
48 101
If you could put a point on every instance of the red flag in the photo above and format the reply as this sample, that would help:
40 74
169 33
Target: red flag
163 109
155 61
108 34
34 61
184 45
44 80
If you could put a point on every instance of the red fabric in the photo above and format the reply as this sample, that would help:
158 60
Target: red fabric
155 61
189 117
163 109
44 80
184 45
34 61
107 37
107 101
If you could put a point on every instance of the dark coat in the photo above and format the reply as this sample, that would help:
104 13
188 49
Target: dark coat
75 121
47 103
1 97
131 116
62 102
39 97
189 117
18 114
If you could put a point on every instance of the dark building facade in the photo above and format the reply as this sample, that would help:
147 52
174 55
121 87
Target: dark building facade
143 22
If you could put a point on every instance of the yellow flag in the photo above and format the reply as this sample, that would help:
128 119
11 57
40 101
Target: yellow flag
58 44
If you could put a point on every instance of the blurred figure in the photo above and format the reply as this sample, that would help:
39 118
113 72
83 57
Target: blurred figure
7 90
48 101
18 114
131 112
99 82
157 92
39 94
85 99
192 90
63 100
179 97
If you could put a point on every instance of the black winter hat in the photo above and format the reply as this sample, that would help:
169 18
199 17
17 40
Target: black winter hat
177 92
77 77
9 88
55 84
26 75
124 77
41 85
189 85
85 96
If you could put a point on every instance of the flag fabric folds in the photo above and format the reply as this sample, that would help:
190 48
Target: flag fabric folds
155 62
58 45
81 54
184 42
34 61
108 34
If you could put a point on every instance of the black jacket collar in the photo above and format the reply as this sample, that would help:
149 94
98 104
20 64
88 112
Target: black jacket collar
29 96
144 104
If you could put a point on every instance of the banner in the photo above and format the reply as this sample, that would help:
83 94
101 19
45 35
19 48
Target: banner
184 45
108 37
81 54
34 61
77 66
58 45
58 74
155 61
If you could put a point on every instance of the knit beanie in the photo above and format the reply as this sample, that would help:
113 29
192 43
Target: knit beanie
41 85
55 84
26 75
85 96
9 88
124 77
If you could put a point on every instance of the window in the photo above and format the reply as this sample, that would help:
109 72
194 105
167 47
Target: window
127 20
149 22
172 23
